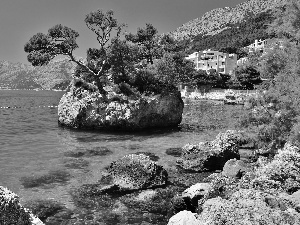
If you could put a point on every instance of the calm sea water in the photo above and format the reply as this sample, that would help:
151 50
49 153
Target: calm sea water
32 144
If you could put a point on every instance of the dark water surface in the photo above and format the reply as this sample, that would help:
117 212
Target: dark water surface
32 144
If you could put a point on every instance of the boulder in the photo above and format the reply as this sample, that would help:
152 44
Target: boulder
146 195
235 168
12 212
196 191
296 197
183 218
248 206
188 200
89 109
134 172
210 156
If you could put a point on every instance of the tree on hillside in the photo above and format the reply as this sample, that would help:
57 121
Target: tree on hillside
272 64
247 76
61 40
147 40
237 35
287 22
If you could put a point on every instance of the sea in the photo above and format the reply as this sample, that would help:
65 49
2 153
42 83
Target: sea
32 144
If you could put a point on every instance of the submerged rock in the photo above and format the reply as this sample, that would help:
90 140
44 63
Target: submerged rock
134 172
81 108
12 212
210 156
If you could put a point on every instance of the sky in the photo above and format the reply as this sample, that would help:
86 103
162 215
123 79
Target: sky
21 19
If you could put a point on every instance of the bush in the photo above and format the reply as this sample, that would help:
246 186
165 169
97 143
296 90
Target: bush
247 76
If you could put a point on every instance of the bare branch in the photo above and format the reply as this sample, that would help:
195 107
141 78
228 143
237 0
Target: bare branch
80 64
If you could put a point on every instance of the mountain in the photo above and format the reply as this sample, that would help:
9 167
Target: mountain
237 36
22 76
217 20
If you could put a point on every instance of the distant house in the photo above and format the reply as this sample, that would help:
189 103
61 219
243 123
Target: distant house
242 61
264 45
223 63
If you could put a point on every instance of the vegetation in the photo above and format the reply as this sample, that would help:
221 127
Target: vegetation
142 63
236 36
247 76
274 116
145 38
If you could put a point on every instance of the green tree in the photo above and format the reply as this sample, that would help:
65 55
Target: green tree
247 76
61 40
122 57
273 62
287 22
146 38
103 25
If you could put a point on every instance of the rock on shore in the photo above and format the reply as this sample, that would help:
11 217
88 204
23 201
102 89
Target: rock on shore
12 212
87 108
268 193
210 156
135 172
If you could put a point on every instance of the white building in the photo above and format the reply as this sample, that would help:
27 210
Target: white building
264 45
223 63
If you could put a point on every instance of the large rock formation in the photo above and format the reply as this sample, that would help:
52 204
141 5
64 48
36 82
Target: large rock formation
12 212
134 172
210 156
82 107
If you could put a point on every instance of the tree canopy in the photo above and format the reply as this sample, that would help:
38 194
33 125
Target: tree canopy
146 38
287 22
116 61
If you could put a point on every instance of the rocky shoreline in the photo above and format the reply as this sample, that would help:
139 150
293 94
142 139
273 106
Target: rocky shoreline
225 187
223 181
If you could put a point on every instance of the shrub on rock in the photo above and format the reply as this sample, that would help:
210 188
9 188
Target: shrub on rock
210 156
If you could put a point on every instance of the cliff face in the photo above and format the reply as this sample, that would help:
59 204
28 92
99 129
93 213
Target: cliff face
217 20
23 76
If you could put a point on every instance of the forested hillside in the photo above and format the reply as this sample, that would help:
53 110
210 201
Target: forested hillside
237 35
217 20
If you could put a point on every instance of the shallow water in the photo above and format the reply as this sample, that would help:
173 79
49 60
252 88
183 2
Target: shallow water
33 144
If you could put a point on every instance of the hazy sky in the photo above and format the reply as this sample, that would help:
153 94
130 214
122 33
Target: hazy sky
21 19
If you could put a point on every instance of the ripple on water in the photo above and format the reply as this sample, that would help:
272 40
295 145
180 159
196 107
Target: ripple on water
40 160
